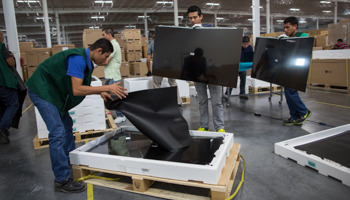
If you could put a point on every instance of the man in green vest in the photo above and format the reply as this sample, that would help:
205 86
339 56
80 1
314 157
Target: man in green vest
8 92
60 83
298 111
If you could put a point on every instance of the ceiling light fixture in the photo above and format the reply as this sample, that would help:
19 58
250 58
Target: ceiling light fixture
302 22
294 9
103 1
280 20
212 4
42 18
164 2
327 11
97 17
260 7
220 18
33 1
250 19
142 17
325 2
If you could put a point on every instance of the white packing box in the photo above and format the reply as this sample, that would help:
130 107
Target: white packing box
324 166
137 84
209 174
331 54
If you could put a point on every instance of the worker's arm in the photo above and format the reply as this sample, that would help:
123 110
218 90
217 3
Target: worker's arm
82 90
11 62
108 60
149 62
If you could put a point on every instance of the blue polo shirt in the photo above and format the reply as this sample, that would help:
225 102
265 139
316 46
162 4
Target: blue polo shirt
248 49
76 65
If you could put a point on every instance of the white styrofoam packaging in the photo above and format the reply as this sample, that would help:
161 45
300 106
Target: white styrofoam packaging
91 109
209 174
324 166
331 54
183 86
137 84
253 82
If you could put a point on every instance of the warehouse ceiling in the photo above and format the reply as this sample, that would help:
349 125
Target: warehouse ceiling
78 15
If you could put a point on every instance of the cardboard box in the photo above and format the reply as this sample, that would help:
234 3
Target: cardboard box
32 58
125 69
128 34
130 56
25 73
137 45
322 31
317 48
31 70
129 45
119 38
91 35
26 46
144 51
43 54
137 34
328 72
138 68
138 56
24 56
99 72
123 54
321 40
144 41
59 48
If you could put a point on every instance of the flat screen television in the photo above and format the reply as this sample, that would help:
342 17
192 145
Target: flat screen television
285 62
202 54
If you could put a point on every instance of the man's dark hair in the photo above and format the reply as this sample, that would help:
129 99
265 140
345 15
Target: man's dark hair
246 39
103 43
340 40
292 21
108 31
194 9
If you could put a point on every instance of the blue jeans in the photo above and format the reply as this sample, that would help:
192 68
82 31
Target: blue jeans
9 98
110 82
242 77
61 137
296 107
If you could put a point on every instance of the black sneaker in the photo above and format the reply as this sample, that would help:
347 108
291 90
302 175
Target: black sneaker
244 97
3 138
69 186
149 73
289 121
302 119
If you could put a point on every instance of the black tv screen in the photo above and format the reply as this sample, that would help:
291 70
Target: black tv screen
208 55
284 62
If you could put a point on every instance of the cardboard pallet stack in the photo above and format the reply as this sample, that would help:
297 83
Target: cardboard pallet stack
35 56
90 36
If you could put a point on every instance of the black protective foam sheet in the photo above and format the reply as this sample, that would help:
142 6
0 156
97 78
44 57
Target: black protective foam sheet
155 113
335 148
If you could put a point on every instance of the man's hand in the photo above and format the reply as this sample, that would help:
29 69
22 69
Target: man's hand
105 95
118 90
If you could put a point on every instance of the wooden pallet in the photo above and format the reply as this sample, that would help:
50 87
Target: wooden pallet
186 100
143 184
260 90
79 136
328 87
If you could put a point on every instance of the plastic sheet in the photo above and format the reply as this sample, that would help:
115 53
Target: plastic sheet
155 113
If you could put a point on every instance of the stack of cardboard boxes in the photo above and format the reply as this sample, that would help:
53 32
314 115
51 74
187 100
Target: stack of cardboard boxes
23 48
90 36
35 56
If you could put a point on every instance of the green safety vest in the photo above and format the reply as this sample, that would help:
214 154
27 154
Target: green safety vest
7 78
51 82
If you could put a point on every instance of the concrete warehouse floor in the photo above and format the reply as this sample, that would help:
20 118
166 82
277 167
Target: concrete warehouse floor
26 173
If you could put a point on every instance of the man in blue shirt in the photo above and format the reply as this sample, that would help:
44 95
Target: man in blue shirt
242 75
195 16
